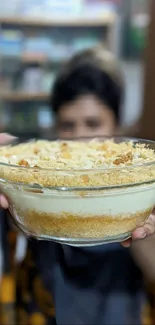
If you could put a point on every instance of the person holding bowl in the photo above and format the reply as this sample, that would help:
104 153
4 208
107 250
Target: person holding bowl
91 285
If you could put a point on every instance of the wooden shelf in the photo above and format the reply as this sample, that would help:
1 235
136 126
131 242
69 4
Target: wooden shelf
34 59
21 97
107 19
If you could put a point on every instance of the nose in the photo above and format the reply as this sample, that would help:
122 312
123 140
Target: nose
80 132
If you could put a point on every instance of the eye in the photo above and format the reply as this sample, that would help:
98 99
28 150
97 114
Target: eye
66 126
93 124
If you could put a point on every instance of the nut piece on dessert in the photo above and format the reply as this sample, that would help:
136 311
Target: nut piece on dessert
23 163
123 159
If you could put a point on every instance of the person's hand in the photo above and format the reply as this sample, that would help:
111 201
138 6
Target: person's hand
5 139
146 230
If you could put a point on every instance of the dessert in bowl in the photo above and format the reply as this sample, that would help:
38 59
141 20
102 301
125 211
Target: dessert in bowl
85 192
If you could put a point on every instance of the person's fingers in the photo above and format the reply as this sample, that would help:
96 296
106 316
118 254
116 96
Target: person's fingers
6 138
3 202
139 233
127 243
147 229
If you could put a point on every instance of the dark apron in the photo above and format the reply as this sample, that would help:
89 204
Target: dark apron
91 286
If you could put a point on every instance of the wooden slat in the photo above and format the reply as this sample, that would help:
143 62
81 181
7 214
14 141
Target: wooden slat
19 97
30 59
107 19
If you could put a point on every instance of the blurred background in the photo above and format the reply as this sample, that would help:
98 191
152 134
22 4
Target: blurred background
37 36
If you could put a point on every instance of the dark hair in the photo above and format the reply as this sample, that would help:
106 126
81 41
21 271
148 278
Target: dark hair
86 79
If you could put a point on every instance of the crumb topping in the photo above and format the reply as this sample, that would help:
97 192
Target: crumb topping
76 155
102 158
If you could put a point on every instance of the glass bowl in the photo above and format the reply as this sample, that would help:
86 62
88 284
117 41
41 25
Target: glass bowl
80 207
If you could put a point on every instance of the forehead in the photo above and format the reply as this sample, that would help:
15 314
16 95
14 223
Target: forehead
85 106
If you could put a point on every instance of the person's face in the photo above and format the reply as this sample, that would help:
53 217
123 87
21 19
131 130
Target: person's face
85 117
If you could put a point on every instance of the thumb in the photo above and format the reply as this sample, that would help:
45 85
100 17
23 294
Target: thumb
6 138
